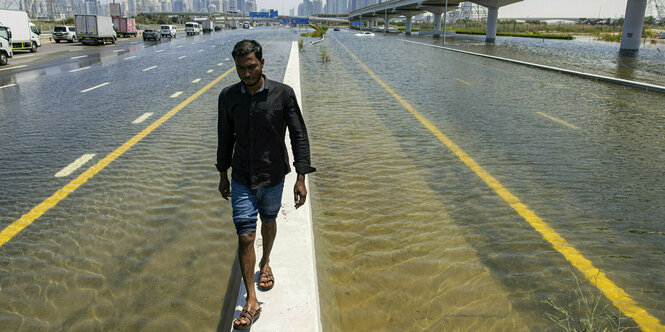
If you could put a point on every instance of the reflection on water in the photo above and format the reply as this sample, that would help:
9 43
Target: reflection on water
145 245
409 238
585 55
626 66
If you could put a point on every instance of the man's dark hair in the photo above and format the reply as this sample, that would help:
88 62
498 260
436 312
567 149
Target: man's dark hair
247 46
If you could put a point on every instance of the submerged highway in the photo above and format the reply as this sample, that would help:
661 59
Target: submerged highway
453 193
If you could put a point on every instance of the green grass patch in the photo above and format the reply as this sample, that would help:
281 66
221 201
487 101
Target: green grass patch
318 32
609 37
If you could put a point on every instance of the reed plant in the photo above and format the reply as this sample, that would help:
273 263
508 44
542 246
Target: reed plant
324 55
583 312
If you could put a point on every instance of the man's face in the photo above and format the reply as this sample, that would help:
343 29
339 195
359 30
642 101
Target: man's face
249 69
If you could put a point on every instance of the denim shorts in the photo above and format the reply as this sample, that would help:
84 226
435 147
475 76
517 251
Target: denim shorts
247 203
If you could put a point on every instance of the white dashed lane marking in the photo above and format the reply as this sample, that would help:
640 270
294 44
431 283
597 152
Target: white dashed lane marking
75 165
176 94
182 57
149 68
196 80
95 87
21 66
142 118
79 57
79 69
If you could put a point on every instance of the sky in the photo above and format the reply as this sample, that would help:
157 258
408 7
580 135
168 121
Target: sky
525 8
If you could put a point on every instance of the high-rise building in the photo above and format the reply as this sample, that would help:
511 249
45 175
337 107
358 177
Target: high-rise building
336 6
179 6
250 6
353 5
292 11
317 7
91 7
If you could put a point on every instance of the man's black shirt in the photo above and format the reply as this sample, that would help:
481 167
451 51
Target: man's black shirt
255 125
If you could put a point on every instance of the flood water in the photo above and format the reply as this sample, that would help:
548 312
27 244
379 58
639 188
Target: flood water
407 236
411 239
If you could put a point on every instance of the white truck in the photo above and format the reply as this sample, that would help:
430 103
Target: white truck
207 26
5 45
25 35
95 29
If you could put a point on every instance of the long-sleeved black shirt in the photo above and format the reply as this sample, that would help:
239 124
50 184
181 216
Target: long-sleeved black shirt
251 130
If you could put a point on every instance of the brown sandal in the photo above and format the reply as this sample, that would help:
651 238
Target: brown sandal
247 315
268 275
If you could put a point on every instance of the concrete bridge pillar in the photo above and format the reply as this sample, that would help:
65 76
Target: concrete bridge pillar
409 20
492 17
370 24
386 24
632 27
437 22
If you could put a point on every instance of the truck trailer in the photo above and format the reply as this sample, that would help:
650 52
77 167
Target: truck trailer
5 45
125 27
95 29
207 26
25 35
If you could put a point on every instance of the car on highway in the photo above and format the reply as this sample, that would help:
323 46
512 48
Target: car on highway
169 31
151 34
64 32
364 34
335 29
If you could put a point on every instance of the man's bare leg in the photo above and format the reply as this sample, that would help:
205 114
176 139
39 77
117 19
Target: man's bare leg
247 260
268 232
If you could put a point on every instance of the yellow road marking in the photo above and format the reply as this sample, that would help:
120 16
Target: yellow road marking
557 120
463 81
10 231
618 296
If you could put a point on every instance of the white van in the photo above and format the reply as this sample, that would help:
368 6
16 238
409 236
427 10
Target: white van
168 31
192 28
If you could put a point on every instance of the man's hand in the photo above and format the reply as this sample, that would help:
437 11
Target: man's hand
224 186
299 191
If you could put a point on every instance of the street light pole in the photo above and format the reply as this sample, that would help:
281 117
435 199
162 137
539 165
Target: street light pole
445 18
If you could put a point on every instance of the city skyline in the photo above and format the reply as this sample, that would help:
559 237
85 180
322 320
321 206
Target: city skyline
523 9
526 8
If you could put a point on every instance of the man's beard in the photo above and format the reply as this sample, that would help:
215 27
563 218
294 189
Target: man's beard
255 82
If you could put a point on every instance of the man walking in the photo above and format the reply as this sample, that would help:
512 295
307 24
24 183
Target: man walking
253 117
